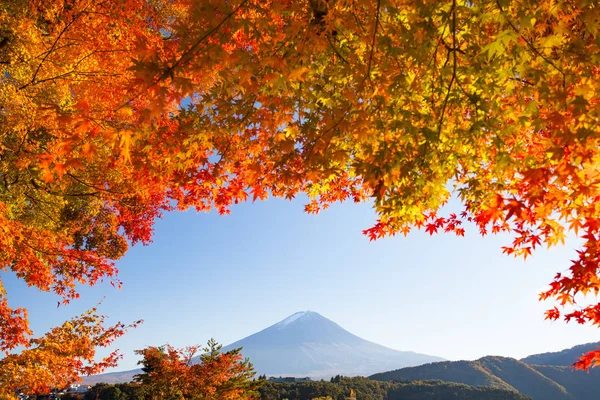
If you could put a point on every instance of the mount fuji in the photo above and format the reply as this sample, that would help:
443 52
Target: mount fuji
306 344
309 345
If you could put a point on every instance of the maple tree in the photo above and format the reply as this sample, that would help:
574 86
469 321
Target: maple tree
58 358
172 374
115 111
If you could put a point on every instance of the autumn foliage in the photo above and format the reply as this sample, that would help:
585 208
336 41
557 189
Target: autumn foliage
115 111
195 373
61 356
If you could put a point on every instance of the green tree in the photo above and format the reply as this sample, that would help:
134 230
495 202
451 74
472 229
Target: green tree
112 393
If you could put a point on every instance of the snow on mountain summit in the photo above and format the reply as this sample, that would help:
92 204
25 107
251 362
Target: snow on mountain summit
296 316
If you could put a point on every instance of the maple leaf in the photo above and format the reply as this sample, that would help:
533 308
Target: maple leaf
297 73
60 169
431 228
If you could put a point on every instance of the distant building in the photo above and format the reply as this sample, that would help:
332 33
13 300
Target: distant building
78 388
288 379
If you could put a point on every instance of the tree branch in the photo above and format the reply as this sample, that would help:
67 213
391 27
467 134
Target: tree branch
189 51
368 75
52 49
530 44
453 78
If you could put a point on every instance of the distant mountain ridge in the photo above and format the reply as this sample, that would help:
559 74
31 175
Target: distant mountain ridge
497 372
563 358
540 382
306 344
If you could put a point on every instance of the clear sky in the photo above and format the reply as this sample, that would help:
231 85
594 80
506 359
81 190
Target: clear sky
227 277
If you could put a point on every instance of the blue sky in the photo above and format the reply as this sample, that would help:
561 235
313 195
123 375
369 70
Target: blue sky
227 277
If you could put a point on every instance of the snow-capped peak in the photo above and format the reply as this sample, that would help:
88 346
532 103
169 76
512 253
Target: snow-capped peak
293 318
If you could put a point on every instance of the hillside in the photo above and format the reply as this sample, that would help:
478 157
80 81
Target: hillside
496 372
581 385
376 390
426 390
565 357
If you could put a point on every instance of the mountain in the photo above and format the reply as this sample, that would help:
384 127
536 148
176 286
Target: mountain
541 382
111 377
565 357
496 372
557 366
582 385
307 344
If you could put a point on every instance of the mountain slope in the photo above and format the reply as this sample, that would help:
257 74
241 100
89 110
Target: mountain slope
497 372
426 390
308 344
565 357
582 385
